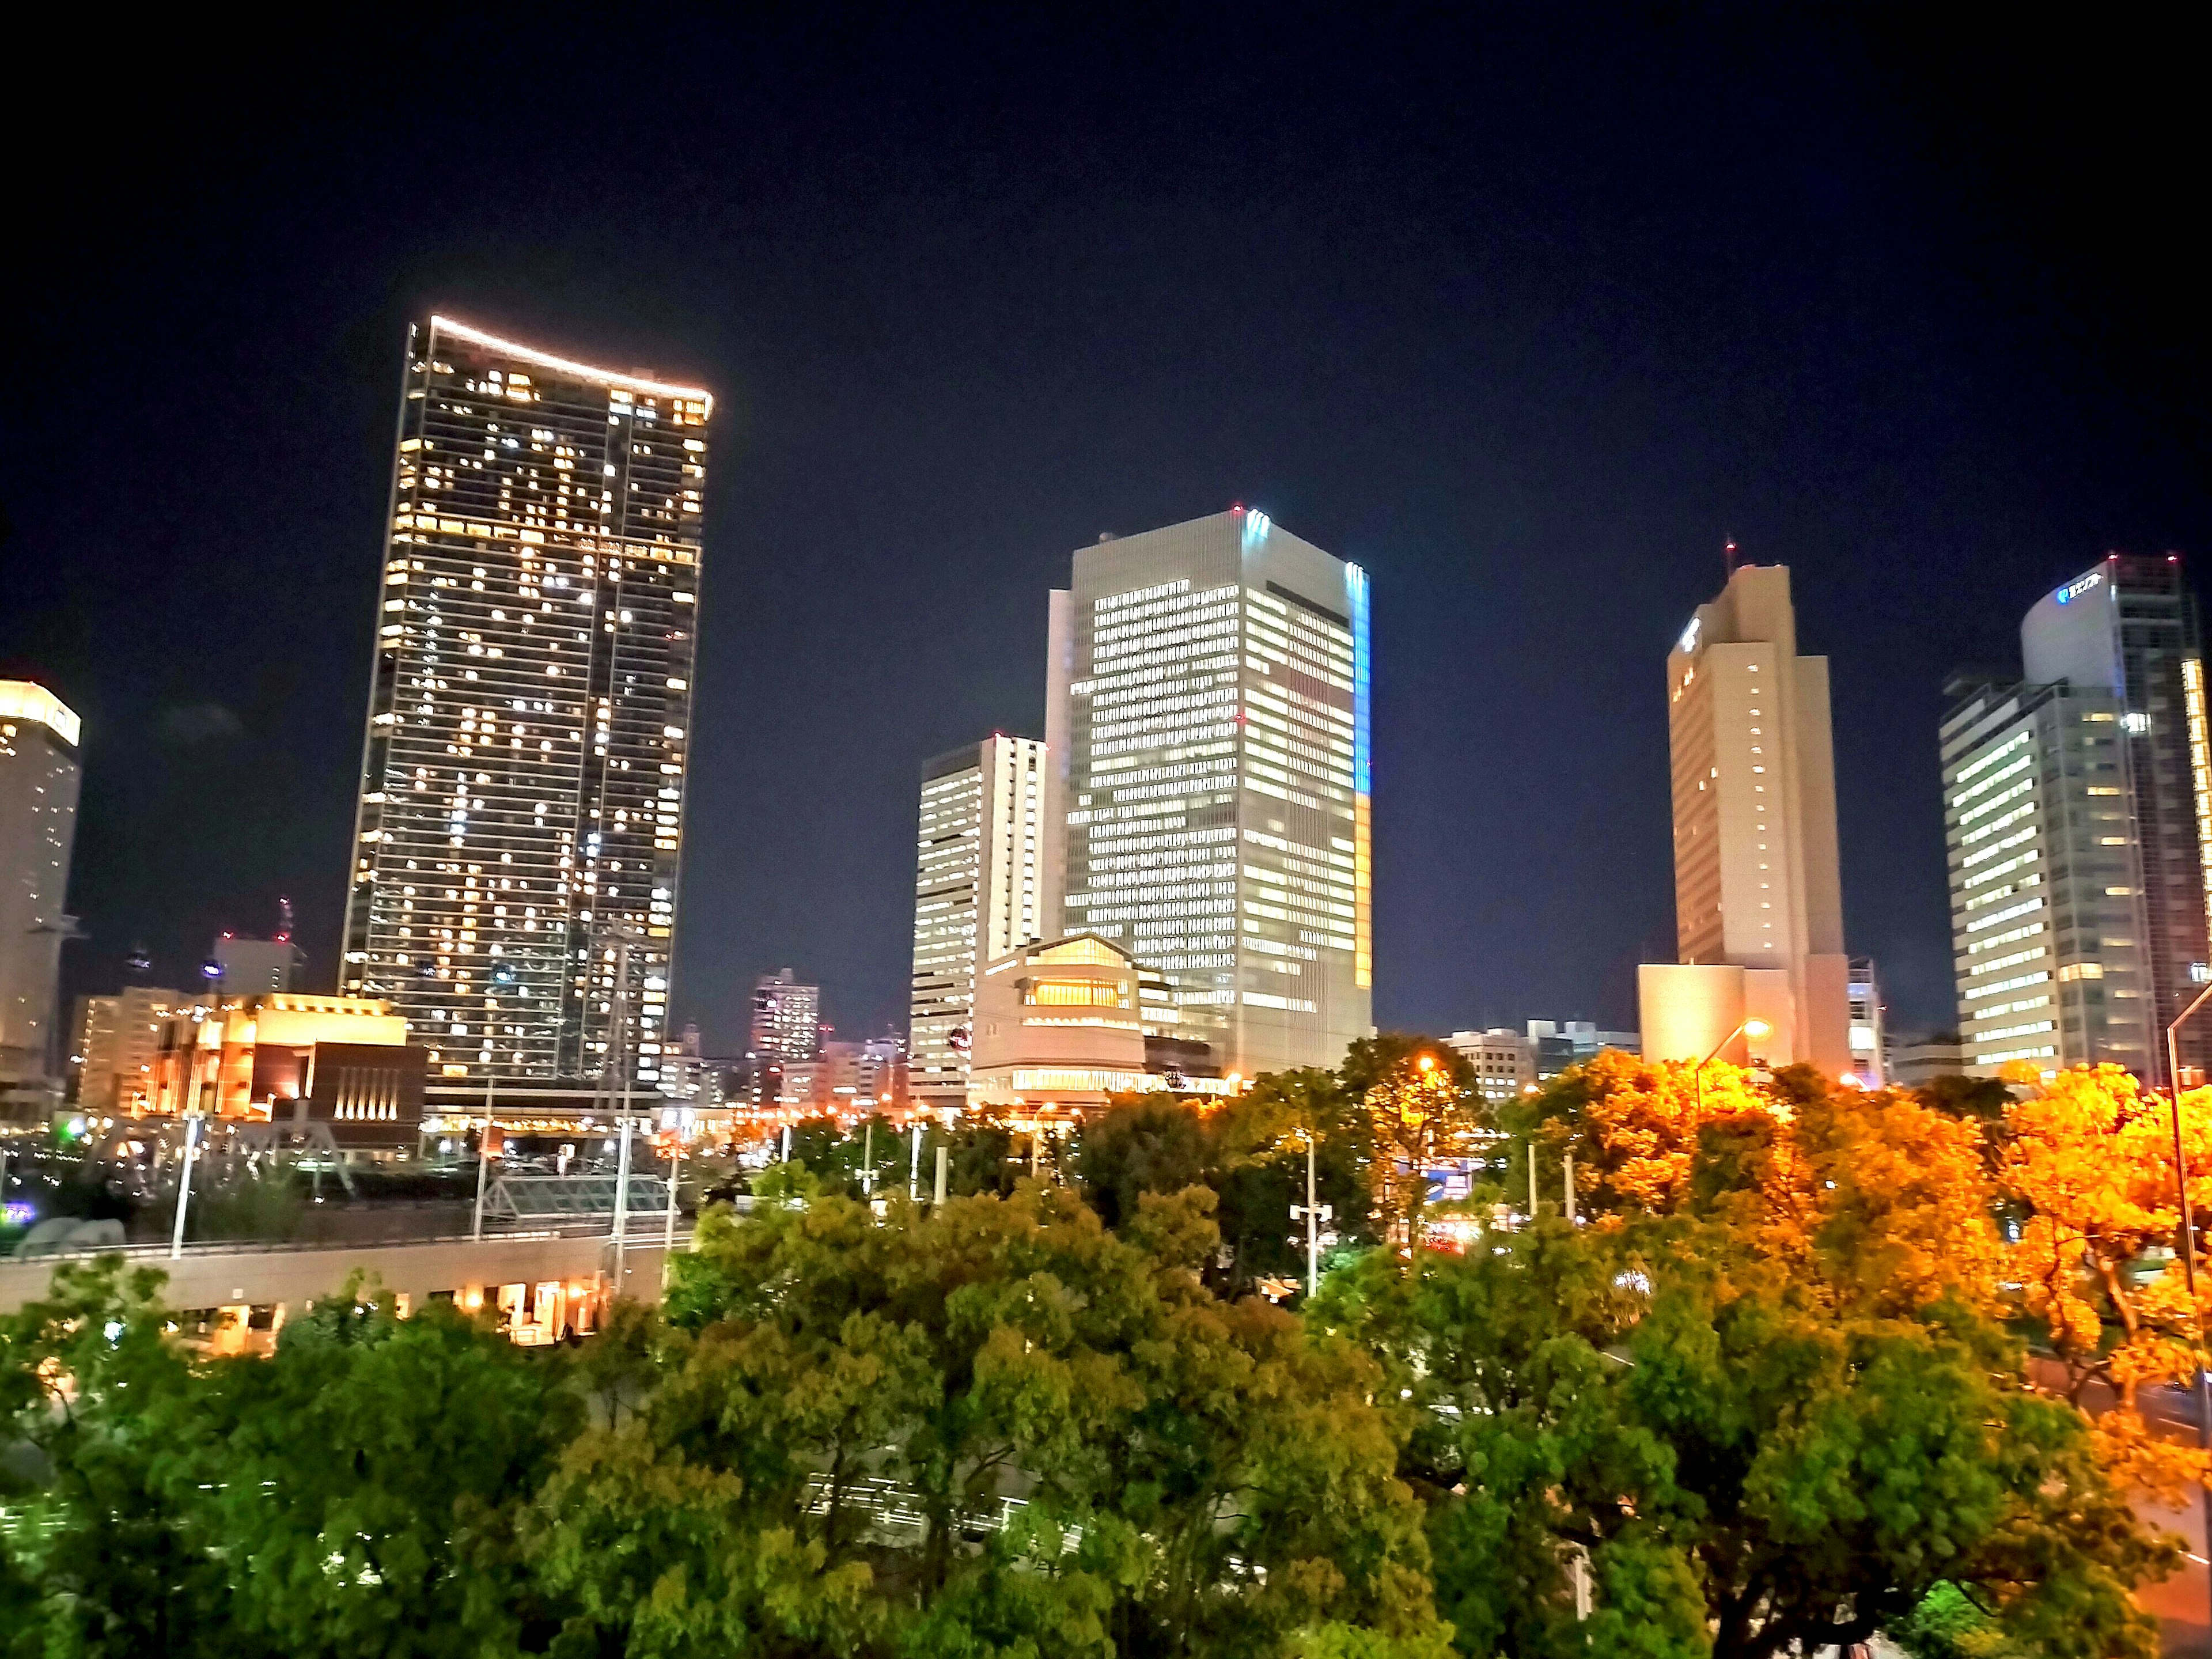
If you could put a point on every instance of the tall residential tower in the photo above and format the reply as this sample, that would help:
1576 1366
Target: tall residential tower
979 894
1208 799
1759 912
523 775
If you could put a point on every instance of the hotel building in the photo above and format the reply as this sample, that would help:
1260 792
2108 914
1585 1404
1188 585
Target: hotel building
2078 817
529 721
979 894
1758 889
1207 800
38 780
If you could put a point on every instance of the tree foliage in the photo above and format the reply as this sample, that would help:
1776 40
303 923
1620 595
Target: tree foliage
994 1426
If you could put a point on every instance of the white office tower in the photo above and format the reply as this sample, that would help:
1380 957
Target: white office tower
1759 912
2077 807
978 895
1207 703
39 778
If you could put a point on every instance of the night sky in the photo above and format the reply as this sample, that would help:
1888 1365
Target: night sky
1528 317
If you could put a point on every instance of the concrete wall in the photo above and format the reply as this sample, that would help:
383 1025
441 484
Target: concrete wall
210 1276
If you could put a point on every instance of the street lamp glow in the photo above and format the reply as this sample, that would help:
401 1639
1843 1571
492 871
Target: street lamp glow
1756 1028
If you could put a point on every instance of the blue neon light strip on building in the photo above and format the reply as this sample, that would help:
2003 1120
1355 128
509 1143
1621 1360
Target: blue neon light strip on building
1355 582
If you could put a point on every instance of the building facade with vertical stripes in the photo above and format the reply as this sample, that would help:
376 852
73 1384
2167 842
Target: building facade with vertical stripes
528 741
979 889
1209 807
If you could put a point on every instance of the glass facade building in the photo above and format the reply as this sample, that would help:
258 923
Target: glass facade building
2079 813
1209 808
2047 923
528 740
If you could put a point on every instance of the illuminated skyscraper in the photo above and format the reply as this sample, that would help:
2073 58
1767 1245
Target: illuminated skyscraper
978 895
1759 910
1207 801
523 775
39 779
2078 809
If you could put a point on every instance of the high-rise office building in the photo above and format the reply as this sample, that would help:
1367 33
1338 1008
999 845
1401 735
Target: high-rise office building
786 1024
529 723
38 780
2078 810
1208 796
1758 911
978 893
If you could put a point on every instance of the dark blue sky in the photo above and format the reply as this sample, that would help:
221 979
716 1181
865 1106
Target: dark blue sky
1528 317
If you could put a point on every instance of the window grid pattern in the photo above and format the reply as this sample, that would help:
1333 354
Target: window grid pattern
524 773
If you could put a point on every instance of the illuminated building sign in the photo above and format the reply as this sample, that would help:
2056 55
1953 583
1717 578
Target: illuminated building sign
1688 642
2080 585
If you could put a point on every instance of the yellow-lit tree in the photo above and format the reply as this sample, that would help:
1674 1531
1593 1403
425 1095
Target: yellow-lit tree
2088 1160
1633 1127
1418 1111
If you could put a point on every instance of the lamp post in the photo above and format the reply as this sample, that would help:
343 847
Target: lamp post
1753 1029
2189 1243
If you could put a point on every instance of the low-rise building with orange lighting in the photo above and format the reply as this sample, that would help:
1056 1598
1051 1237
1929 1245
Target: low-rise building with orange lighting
287 1057
1062 1025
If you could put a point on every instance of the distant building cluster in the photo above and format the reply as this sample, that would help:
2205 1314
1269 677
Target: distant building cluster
1169 887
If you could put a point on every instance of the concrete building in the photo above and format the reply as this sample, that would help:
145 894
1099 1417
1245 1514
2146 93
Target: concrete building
251 966
343 1063
1870 1038
2078 810
1504 1060
528 738
1561 1044
1758 889
1060 1026
1208 796
1915 1060
115 1041
979 893
38 780
2046 925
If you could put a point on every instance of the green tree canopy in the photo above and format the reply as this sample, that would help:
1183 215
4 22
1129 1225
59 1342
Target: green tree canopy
995 1426
1732 1466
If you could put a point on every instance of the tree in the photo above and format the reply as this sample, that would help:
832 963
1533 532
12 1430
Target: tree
1140 1144
1730 1466
91 1384
356 1492
1418 1111
2089 1161
991 1426
1633 1127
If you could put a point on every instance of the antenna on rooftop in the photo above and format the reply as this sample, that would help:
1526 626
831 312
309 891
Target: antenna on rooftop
1728 555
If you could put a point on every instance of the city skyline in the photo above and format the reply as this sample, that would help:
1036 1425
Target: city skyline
1427 307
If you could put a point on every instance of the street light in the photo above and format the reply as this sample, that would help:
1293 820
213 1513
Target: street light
2189 1238
1753 1029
